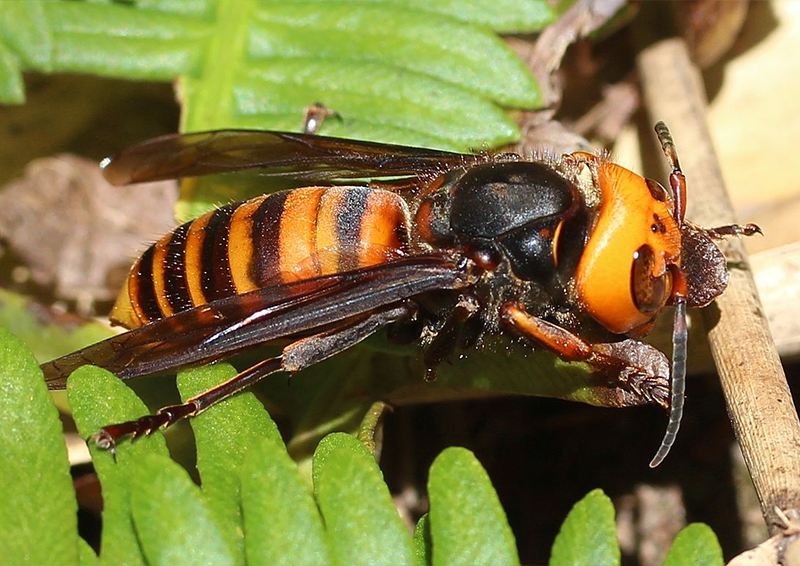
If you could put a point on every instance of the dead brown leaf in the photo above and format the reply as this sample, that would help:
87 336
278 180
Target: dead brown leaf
544 56
550 139
782 549
711 27
76 233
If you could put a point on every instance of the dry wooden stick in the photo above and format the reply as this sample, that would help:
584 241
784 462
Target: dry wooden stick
759 402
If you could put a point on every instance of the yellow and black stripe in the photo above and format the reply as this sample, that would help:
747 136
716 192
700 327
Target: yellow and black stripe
279 238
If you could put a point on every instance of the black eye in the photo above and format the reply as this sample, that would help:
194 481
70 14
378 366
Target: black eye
656 190
657 225
649 293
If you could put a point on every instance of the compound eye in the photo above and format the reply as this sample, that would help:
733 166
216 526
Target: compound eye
649 293
657 190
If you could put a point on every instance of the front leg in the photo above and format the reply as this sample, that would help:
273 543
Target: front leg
443 341
640 369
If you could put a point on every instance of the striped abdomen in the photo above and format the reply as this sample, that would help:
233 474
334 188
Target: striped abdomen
279 238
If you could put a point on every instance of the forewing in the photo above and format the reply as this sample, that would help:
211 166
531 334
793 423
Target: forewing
232 324
276 154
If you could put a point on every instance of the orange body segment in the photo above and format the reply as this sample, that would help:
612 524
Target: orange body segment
280 238
159 275
240 247
125 312
193 265
327 247
383 225
298 235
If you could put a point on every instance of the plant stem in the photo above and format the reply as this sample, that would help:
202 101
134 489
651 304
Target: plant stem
759 401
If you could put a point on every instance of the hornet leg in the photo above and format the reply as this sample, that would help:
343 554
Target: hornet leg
620 361
721 232
447 338
296 356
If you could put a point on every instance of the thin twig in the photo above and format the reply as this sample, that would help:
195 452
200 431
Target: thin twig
757 394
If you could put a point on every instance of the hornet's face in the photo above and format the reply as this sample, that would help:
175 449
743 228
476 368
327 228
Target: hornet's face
625 275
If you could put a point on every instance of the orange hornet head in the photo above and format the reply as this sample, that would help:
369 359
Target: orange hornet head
642 255
625 275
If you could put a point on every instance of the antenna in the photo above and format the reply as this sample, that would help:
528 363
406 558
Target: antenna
677 385
677 382
677 182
